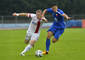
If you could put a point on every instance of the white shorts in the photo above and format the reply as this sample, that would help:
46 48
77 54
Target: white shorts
32 36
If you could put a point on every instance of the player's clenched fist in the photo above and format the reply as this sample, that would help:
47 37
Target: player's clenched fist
15 14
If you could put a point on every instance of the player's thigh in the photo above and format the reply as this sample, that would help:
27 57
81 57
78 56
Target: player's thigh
51 31
58 34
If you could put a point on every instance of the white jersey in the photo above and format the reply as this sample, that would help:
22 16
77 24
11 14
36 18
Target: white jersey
35 24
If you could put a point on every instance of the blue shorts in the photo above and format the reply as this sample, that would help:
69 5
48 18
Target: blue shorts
57 32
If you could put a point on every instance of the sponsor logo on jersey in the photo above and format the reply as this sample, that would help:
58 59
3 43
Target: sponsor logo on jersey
34 23
56 19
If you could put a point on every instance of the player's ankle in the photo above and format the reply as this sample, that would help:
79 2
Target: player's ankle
46 52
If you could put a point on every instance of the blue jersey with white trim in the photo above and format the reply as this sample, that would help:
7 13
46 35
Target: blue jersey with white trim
58 18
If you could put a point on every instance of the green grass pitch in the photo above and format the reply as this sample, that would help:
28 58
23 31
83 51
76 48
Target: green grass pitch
71 45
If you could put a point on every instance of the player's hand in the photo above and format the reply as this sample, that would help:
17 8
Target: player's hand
44 19
68 18
14 14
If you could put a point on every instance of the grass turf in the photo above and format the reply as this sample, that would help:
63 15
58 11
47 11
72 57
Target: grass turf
71 45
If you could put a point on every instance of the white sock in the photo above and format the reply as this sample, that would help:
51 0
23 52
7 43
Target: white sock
28 47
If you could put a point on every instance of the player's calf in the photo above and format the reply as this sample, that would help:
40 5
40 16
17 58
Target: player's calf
27 38
28 47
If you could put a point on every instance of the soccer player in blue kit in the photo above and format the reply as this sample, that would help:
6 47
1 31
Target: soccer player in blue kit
58 26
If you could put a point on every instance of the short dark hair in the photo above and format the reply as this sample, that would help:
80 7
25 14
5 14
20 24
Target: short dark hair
54 6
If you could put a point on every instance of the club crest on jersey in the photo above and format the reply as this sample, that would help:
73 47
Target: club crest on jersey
56 14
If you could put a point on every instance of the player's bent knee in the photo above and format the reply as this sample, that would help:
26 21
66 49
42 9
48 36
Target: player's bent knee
32 42
26 41
54 40
49 35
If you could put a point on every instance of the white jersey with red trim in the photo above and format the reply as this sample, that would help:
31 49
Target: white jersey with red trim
35 24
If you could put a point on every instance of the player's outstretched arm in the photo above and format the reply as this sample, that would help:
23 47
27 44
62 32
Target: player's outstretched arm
44 12
20 14
66 16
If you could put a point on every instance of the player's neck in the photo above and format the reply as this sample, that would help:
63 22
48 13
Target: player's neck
56 11
39 18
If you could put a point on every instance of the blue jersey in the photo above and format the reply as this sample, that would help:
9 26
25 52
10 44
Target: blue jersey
58 18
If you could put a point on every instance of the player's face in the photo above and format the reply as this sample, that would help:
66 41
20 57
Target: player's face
54 8
39 14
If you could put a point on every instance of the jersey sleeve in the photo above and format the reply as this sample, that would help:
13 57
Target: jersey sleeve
49 10
31 15
60 11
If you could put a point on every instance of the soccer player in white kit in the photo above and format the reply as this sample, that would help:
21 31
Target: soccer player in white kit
33 31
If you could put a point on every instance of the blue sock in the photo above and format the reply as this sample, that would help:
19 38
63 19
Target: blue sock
47 44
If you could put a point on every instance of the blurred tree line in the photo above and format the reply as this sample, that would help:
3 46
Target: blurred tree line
7 7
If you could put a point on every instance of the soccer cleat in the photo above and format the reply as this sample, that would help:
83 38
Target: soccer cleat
22 54
45 52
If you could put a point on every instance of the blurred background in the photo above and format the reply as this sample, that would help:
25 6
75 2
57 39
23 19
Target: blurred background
74 8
